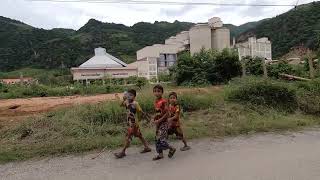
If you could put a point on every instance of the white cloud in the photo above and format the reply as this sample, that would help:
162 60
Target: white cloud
74 15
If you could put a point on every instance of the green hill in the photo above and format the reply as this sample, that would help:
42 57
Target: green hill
24 46
235 31
299 26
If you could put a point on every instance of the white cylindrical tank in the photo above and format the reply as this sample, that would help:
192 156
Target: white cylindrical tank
220 38
200 37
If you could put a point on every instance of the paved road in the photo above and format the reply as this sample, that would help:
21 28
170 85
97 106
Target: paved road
294 156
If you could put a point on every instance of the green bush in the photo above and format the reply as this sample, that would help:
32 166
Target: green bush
164 77
274 70
253 65
264 92
308 96
206 67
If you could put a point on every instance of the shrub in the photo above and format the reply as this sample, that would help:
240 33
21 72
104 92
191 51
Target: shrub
253 65
206 67
164 77
309 96
264 92
282 67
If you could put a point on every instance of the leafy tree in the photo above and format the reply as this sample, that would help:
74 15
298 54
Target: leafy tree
141 82
253 65
206 67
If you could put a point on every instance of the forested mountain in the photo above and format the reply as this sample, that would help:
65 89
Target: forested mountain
22 45
299 26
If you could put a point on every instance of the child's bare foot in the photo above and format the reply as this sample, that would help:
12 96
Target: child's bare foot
145 150
158 157
185 148
171 152
120 155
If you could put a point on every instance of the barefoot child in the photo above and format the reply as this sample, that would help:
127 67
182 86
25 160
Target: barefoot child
174 120
161 121
134 113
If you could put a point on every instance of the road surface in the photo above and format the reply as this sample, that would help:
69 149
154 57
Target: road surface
293 156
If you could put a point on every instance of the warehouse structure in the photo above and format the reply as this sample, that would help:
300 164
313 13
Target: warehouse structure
103 65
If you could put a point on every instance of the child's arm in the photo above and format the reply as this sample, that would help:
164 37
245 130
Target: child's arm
165 116
176 116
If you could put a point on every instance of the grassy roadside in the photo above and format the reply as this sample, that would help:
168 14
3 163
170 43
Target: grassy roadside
84 128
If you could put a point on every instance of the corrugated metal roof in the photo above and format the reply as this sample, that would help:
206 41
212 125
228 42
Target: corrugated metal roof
103 60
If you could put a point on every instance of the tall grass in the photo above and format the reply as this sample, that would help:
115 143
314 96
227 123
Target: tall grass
18 91
280 95
84 127
88 127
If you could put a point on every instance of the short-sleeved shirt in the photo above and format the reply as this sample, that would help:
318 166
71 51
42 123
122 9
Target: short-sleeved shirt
173 110
134 112
160 106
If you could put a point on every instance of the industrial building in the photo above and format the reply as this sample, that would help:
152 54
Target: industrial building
103 65
255 48
156 59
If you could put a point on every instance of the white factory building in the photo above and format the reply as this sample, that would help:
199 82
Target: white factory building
158 58
255 48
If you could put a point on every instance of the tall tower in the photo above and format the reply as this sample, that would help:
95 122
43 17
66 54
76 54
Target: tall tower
220 36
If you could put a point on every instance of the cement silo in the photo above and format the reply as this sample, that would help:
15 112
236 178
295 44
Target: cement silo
200 37
220 38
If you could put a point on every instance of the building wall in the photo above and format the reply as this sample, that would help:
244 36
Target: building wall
157 49
256 48
220 38
147 67
92 74
200 37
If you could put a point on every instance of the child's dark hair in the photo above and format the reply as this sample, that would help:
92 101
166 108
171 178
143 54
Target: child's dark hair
173 94
158 86
132 91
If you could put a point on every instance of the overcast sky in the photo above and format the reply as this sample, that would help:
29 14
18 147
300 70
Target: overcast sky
49 15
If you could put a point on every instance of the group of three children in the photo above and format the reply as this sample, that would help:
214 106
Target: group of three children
167 121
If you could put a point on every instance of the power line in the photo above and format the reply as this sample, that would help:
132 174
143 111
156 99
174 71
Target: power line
164 3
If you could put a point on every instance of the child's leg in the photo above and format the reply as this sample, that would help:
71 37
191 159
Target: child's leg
146 147
159 150
144 142
138 134
126 144
180 135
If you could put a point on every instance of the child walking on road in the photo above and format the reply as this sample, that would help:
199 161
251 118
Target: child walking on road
134 113
174 120
161 122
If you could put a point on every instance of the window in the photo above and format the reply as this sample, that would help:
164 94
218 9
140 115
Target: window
162 64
